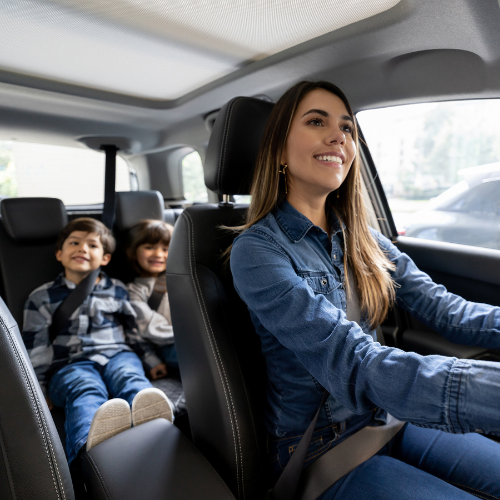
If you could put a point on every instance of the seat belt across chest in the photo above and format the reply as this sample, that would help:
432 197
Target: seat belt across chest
308 484
71 303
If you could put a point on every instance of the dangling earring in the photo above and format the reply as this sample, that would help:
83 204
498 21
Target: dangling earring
283 171
338 193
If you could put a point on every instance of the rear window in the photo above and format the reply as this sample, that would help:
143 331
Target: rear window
439 164
74 175
193 181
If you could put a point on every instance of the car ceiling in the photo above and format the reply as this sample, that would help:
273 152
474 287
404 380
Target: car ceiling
411 51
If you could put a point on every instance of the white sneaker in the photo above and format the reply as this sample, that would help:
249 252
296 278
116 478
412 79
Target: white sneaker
110 419
149 404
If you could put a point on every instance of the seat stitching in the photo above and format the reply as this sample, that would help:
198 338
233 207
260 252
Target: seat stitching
220 367
216 355
45 436
224 142
99 475
36 405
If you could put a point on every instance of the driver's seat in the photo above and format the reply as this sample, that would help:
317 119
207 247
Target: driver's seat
219 353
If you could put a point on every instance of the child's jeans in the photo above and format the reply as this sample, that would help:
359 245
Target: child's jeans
82 387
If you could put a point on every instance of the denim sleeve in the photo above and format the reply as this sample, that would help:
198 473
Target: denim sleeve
453 317
432 391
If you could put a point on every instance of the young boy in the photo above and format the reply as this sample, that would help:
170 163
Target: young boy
90 359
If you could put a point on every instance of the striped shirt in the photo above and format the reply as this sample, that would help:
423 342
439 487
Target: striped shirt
101 327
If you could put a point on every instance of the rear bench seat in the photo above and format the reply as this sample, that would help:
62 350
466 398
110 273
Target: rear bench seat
167 460
170 215
28 232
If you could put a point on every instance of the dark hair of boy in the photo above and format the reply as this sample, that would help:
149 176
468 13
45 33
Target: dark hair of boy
151 231
88 225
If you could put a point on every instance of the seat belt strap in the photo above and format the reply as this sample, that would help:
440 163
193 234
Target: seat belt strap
108 211
159 290
308 484
287 484
71 303
344 458
155 299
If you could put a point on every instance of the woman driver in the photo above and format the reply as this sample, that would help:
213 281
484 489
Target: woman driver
305 246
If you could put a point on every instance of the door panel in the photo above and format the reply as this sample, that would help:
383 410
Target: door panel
471 272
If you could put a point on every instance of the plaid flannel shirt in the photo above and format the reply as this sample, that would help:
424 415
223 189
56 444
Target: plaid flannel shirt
101 327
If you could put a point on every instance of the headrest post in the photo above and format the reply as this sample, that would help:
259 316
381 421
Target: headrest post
226 201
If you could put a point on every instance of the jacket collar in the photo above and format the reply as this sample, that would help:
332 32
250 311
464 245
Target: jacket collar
104 282
296 225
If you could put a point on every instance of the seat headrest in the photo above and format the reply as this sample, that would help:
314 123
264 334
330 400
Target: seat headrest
28 219
234 144
134 206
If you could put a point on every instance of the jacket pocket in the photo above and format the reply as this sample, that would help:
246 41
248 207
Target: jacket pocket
321 281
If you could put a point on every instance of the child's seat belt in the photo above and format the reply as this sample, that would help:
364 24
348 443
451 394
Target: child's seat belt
157 295
71 303
308 484
154 300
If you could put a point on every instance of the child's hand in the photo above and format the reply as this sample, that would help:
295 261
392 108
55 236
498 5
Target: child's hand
50 404
159 371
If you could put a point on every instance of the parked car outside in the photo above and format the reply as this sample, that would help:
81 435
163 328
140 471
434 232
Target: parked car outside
467 213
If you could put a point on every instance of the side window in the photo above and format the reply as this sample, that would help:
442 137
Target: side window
193 181
74 175
439 164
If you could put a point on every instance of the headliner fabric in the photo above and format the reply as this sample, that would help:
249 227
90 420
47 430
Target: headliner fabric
160 49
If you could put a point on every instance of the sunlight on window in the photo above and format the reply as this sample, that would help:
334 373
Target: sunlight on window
192 178
74 175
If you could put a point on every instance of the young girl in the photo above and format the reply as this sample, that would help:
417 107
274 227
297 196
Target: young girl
147 251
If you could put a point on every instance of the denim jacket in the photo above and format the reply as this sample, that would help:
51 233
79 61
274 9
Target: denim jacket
290 275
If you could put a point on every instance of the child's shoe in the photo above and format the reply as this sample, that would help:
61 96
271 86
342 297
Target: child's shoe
149 404
110 419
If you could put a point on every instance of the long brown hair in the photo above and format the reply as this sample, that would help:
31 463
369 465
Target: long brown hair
370 266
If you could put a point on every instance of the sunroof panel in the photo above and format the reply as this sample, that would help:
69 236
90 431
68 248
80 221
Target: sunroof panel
160 49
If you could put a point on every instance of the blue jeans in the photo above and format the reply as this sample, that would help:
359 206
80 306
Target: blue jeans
425 464
83 386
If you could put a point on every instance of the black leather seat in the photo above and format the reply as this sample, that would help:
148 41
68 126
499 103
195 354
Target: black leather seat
28 233
222 367
32 461
131 207
170 215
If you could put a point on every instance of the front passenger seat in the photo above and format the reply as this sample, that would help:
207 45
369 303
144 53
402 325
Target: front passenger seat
32 461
